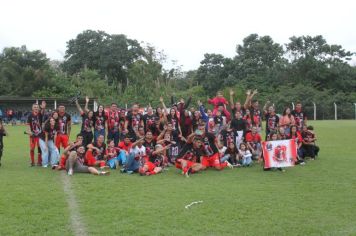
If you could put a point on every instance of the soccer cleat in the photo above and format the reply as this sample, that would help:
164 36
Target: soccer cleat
129 172
45 166
32 164
70 172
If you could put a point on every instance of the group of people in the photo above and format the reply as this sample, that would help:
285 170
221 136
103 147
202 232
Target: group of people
190 138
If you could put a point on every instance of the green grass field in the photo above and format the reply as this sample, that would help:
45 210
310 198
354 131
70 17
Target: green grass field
316 199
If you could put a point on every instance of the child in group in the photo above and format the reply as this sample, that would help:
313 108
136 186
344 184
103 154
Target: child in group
232 153
219 103
245 155
111 155
2 134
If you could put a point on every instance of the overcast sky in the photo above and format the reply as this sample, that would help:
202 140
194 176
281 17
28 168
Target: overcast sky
184 29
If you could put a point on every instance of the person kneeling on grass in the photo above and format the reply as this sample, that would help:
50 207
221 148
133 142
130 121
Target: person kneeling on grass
245 155
154 163
112 155
75 163
188 157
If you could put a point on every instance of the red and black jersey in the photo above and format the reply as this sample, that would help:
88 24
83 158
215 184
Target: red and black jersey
256 116
157 160
271 122
112 118
297 137
150 146
188 152
87 123
209 144
99 120
63 123
227 137
102 148
134 121
149 122
35 123
50 131
248 120
112 152
174 120
299 117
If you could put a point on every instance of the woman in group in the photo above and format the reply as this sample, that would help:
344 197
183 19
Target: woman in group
286 120
87 122
99 122
48 149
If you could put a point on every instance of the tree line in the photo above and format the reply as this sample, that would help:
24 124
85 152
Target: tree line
114 67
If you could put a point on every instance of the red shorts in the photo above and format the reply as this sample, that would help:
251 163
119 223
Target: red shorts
62 139
179 165
90 159
150 166
211 161
33 142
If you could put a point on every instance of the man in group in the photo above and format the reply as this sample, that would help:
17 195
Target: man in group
75 163
34 122
133 121
188 159
299 116
64 123
113 123
211 158
272 120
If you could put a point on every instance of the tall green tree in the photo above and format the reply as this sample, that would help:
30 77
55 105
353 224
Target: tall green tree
110 55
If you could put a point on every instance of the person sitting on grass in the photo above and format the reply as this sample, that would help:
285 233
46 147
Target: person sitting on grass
253 142
75 163
188 159
2 134
111 155
245 155
155 162
134 157
71 147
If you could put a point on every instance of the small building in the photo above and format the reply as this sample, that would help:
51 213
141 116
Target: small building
21 106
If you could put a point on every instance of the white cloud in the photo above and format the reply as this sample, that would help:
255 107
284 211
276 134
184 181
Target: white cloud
184 29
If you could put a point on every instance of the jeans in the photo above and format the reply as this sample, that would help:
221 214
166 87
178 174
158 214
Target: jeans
131 163
247 160
50 153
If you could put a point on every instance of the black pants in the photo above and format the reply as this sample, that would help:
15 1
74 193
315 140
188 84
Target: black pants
87 138
310 150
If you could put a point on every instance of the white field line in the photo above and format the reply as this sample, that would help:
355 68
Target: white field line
76 222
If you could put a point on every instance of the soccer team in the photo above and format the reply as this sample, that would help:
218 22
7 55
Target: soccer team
146 142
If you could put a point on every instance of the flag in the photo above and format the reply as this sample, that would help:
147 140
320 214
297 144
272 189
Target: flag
280 153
